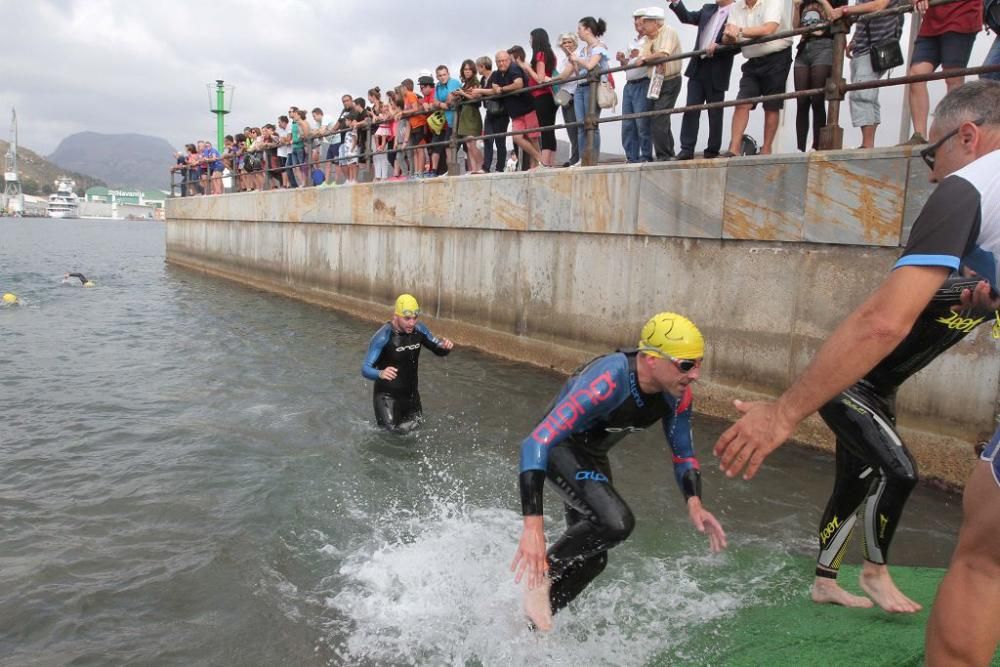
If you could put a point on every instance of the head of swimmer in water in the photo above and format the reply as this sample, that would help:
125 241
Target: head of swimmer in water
670 353
404 317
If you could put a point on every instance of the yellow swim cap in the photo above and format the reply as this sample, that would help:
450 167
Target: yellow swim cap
407 306
671 335
9 298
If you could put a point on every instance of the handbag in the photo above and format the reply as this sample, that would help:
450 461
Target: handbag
563 97
437 122
606 96
884 55
494 108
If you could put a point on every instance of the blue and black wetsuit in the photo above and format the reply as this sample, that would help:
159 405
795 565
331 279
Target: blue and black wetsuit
397 401
597 407
873 465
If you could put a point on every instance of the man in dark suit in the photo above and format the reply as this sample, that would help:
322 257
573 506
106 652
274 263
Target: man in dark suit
708 76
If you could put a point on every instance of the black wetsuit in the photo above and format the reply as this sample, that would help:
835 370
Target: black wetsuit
397 401
874 467
597 407
83 278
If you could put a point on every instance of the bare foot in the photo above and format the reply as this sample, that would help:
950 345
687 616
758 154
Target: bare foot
876 582
827 591
537 606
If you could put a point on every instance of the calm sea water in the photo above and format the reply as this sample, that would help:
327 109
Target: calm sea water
189 475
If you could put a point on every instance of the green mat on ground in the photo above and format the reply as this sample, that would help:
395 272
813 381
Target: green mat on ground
798 632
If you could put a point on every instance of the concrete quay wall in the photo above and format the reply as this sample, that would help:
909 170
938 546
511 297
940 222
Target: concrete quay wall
765 254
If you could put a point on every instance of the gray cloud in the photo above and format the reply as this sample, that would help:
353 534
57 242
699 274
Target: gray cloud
119 66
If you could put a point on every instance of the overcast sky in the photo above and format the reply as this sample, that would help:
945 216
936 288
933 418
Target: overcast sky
141 66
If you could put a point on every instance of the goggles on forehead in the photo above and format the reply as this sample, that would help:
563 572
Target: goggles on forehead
410 313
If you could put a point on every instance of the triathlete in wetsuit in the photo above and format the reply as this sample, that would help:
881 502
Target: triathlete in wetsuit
392 363
599 405
83 279
874 468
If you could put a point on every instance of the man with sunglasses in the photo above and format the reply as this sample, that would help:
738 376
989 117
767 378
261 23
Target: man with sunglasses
960 222
600 404
392 363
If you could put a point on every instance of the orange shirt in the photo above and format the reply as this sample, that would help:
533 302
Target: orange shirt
410 101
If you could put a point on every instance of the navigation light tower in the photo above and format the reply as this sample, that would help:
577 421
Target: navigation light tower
13 198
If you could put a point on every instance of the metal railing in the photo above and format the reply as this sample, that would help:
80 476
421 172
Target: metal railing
831 135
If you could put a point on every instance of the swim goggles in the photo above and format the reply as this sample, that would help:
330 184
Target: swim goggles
685 365
411 313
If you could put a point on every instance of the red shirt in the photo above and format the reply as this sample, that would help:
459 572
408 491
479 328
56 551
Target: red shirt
961 17
539 58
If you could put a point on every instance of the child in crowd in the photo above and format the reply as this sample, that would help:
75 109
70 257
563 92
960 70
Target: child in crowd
349 156
401 169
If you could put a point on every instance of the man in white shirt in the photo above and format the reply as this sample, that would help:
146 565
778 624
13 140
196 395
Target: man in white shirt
636 138
766 70
284 149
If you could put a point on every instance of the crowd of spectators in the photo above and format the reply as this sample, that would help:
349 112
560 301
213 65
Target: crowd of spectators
405 133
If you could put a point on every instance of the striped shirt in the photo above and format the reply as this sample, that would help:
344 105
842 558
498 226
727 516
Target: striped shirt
882 29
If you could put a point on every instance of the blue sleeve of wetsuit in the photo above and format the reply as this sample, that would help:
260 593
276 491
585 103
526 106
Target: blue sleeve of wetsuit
677 429
594 393
430 341
379 340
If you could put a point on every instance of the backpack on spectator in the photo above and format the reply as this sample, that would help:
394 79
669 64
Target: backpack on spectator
991 15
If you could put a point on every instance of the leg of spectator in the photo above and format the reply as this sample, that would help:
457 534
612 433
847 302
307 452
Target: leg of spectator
963 627
569 116
741 116
691 119
770 130
488 144
644 125
865 111
630 129
919 102
993 58
715 118
580 101
669 91
803 105
818 74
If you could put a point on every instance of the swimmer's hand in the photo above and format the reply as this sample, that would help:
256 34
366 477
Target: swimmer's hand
705 523
447 344
530 556
761 430
388 373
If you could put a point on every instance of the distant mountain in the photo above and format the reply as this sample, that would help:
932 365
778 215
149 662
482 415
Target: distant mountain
121 160
38 175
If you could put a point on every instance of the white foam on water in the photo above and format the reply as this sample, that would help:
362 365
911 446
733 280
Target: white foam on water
438 590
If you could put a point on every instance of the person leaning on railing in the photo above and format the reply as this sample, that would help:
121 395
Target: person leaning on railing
496 120
509 78
568 44
470 121
708 76
812 67
591 53
636 137
661 42
766 70
864 104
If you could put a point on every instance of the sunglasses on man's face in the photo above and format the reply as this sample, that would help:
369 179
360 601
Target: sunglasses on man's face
929 154
685 365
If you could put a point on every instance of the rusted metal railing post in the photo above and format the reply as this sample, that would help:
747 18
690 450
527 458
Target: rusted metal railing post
831 136
590 127
452 155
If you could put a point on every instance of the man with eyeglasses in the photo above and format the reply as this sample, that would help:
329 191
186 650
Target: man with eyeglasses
392 363
959 223
605 400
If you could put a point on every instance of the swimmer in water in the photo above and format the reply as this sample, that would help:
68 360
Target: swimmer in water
392 363
83 279
605 400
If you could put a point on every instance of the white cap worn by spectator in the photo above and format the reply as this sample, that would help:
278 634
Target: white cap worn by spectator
639 13
654 13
